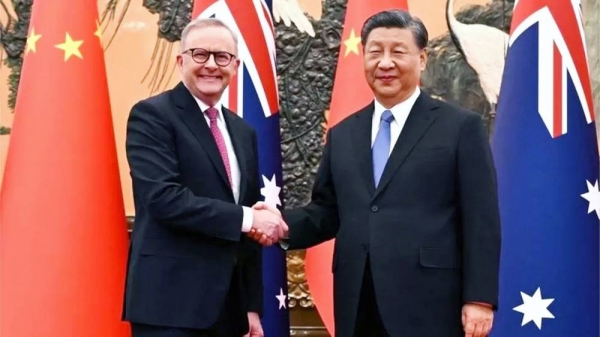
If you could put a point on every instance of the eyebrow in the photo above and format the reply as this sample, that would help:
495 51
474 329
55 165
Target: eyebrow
395 44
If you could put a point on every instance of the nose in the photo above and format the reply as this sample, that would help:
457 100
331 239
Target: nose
210 63
385 62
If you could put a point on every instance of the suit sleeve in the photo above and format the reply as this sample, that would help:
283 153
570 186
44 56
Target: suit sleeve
252 269
154 166
318 221
479 214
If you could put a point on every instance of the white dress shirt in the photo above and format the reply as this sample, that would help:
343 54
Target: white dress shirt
400 112
233 162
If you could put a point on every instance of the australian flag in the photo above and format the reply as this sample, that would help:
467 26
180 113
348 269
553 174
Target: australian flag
546 153
253 95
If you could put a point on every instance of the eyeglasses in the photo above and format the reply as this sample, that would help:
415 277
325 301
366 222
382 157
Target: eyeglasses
199 55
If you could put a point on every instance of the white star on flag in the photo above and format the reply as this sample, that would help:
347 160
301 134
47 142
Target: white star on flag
593 196
534 308
281 297
270 191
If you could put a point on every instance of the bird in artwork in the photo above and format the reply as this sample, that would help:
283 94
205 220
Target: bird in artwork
289 11
484 48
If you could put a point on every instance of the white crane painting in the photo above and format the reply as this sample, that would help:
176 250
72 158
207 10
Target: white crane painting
484 49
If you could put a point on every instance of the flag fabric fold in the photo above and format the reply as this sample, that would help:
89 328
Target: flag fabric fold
63 233
253 95
546 154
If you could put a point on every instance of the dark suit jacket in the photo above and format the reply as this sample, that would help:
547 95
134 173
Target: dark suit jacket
187 240
431 227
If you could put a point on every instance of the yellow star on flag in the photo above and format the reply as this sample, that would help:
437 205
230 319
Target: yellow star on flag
352 43
70 47
32 39
98 31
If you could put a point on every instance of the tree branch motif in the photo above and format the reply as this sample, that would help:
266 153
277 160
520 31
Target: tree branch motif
109 14
173 15
13 36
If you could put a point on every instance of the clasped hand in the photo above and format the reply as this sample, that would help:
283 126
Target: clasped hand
268 226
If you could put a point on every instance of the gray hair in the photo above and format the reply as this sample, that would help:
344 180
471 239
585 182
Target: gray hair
396 18
205 22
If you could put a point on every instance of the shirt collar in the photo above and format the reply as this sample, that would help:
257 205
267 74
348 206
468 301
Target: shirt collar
203 106
400 110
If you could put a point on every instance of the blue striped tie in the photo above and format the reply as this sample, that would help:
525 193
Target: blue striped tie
381 147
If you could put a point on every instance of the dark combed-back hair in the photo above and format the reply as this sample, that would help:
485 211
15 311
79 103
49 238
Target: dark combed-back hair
396 18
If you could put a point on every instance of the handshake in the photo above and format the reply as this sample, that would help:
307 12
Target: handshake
268 226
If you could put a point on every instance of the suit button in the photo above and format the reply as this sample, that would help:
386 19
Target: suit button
365 247
374 209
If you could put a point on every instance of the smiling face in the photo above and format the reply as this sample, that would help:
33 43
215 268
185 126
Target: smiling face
207 80
393 64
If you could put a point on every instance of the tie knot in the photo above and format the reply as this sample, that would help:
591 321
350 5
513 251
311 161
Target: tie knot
387 116
212 113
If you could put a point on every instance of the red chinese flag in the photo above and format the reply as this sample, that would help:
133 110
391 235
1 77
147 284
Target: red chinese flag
350 93
63 234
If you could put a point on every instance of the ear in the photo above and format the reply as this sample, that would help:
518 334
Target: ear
423 58
179 60
236 65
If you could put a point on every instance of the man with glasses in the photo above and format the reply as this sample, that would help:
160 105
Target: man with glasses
193 271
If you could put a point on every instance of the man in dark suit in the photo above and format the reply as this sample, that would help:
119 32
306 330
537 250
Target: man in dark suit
407 188
193 271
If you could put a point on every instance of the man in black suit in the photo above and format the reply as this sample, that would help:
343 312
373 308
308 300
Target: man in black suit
407 188
193 271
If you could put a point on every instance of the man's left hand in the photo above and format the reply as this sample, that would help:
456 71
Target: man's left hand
256 329
477 319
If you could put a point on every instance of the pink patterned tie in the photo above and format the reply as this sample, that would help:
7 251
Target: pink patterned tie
212 113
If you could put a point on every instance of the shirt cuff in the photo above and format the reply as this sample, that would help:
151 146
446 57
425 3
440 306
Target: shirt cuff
482 304
284 244
248 219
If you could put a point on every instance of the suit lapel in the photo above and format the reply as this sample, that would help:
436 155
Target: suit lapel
362 144
194 119
419 120
240 148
